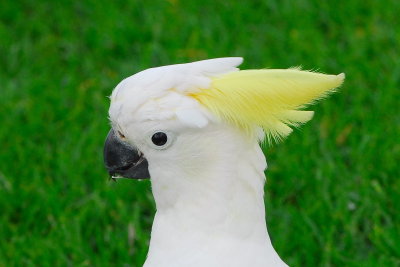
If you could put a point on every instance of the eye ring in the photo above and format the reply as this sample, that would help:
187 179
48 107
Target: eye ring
161 139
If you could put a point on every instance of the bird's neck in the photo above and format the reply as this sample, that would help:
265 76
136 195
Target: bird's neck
214 216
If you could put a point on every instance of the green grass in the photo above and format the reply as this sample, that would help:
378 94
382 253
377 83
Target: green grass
333 188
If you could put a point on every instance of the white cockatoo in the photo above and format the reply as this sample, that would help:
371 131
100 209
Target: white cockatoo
195 129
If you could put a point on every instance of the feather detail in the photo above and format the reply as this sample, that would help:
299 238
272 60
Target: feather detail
154 93
270 99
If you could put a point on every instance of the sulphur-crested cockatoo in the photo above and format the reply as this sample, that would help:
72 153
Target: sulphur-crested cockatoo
194 129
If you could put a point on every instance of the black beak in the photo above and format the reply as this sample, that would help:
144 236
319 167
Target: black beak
123 160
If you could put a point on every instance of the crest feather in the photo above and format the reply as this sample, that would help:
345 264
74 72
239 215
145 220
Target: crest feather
270 99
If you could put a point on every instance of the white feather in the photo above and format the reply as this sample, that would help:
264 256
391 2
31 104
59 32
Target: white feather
156 86
208 185
209 195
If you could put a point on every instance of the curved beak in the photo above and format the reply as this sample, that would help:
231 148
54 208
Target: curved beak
123 160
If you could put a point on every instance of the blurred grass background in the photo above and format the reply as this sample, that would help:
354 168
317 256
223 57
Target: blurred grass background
333 187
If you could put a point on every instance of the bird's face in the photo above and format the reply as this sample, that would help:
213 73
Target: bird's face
164 145
153 131
148 125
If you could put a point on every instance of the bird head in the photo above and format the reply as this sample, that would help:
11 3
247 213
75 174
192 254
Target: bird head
187 116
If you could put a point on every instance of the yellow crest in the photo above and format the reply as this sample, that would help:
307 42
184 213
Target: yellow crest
270 99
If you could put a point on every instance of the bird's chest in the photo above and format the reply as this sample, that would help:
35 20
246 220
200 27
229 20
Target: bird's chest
173 243
211 253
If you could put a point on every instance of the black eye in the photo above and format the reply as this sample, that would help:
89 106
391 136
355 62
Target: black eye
159 138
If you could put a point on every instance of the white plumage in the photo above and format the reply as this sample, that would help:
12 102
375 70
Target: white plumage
207 180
